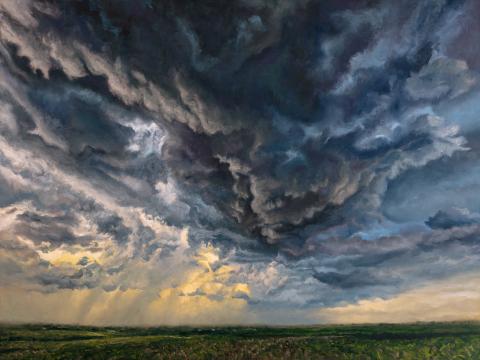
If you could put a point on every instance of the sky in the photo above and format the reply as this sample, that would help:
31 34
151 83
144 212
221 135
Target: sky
239 161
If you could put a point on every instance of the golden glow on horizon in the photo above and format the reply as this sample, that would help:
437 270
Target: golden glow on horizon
457 298
199 290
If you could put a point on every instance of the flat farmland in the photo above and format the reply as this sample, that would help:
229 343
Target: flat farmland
383 341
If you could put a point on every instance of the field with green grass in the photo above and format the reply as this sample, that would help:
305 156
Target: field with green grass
414 341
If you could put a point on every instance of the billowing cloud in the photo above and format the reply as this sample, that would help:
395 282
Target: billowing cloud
251 154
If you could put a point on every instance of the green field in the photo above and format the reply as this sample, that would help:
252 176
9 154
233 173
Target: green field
414 341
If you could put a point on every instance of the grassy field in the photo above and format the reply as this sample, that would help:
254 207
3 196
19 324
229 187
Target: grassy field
415 341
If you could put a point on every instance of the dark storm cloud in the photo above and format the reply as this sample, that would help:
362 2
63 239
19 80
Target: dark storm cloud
86 277
113 225
301 133
451 218
350 280
54 230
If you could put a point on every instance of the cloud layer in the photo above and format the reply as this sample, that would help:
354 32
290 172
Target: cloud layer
325 152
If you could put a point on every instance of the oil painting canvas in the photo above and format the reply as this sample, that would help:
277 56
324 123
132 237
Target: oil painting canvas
240 179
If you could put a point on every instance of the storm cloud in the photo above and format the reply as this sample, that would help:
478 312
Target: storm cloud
327 149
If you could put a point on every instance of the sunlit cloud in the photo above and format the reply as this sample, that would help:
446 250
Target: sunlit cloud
203 296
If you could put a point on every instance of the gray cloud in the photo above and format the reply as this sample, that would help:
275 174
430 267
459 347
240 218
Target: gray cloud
445 219
310 138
